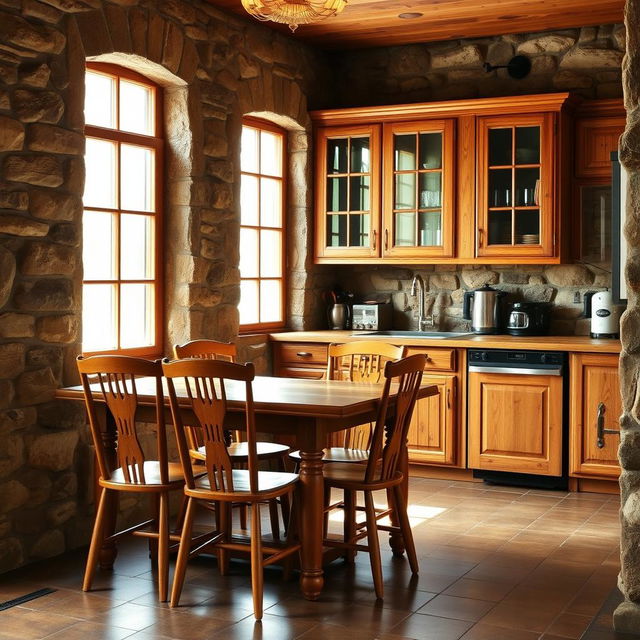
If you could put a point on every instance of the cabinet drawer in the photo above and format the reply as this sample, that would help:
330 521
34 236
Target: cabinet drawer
302 353
438 359
301 372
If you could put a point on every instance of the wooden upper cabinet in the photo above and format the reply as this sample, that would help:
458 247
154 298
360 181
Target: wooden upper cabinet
595 397
516 186
596 138
348 192
418 208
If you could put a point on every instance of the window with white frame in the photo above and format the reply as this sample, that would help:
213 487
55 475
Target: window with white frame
262 233
122 298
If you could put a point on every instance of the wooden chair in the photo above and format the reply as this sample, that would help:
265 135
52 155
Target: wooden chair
361 361
115 376
381 471
270 452
206 382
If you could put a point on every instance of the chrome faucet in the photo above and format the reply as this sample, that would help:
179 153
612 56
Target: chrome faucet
417 288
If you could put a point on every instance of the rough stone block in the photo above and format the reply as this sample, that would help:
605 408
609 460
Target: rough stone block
11 134
591 58
569 275
60 513
15 419
52 139
465 56
18 200
41 258
42 357
8 271
53 451
49 544
39 170
37 106
63 329
45 295
11 554
443 281
33 387
547 43
52 205
40 38
11 359
6 398
41 11
476 278
17 225
12 447
39 484
35 75
626 618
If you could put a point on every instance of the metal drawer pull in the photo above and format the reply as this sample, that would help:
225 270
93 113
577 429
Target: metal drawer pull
304 354
448 398
552 371
600 426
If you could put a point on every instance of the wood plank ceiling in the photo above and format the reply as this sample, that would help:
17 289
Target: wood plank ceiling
372 23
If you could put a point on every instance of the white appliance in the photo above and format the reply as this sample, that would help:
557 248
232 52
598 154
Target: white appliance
604 314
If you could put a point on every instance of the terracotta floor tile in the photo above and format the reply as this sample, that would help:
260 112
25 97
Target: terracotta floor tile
490 591
488 632
529 616
85 630
445 606
423 627
569 625
31 625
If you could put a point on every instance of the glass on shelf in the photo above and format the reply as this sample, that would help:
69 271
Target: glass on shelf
526 181
405 231
527 227
360 193
337 234
595 212
405 191
500 147
337 194
360 157
359 230
430 150
500 227
337 155
527 145
430 228
500 188
430 190
404 147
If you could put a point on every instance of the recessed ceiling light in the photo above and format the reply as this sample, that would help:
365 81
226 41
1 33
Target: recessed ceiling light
410 15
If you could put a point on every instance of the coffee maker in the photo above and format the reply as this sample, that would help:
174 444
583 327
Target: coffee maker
604 314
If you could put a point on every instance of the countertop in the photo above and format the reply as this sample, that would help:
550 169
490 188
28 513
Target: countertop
582 344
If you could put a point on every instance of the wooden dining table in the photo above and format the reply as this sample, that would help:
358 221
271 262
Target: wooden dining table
309 410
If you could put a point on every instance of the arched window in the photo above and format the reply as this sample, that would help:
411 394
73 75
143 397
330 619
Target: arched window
122 297
262 222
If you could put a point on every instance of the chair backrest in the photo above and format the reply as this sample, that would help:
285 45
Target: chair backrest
114 377
205 387
211 349
385 452
361 361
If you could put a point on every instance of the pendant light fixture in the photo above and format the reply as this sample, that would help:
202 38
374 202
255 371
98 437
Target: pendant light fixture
293 12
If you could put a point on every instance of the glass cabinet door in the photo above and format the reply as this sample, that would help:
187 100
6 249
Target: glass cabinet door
349 192
514 186
418 208
594 216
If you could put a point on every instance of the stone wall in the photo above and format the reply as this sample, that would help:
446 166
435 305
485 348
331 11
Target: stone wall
627 616
214 69
562 285
585 61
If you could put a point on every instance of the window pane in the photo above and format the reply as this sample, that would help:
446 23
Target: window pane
136 315
500 147
249 197
99 317
270 153
405 191
99 100
136 247
270 301
100 180
136 179
270 202
136 108
248 307
98 245
249 253
337 194
337 155
360 160
249 150
337 231
359 194
430 229
271 254
405 230
404 152
430 150
430 190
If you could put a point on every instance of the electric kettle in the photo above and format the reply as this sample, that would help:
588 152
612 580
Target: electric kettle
485 314
604 314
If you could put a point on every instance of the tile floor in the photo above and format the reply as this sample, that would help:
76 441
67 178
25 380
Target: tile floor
497 563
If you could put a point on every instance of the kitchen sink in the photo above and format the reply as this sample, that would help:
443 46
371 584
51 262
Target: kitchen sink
437 335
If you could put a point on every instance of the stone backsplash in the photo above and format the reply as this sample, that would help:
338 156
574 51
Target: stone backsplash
562 285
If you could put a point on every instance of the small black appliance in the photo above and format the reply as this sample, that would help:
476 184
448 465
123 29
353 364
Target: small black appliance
528 318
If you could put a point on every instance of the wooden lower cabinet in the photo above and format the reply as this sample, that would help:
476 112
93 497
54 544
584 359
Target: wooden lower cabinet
595 394
515 423
432 434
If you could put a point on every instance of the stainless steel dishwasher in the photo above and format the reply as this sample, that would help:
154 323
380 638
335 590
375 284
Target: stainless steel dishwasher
516 416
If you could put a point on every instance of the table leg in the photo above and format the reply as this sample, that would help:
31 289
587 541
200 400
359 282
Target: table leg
312 516
396 541
109 551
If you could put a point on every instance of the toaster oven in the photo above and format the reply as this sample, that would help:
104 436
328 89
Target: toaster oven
372 317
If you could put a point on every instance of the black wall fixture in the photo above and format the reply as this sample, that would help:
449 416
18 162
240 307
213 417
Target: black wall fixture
517 68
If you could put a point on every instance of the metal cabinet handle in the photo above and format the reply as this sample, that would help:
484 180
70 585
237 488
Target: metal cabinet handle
480 234
386 239
448 398
303 354
375 239
600 426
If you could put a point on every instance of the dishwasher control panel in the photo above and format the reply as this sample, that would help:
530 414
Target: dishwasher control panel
499 357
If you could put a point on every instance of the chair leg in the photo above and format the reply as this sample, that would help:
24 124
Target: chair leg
242 511
374 544
405 528
285 505
349 523
257 577
183 554
327 502
163 547
275 522
292 534
96 542
225 526
153 542
181 513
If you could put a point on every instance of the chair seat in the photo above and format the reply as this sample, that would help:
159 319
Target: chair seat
351 476
151 477
269 482
337 454
238 451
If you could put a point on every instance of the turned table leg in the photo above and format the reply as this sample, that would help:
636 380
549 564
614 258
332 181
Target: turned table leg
109 551
396 541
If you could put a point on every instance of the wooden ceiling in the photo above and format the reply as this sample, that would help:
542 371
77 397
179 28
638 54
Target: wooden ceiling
374 23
